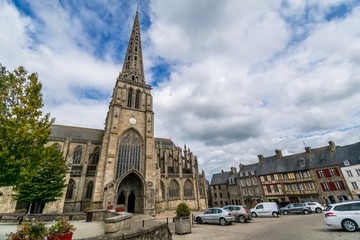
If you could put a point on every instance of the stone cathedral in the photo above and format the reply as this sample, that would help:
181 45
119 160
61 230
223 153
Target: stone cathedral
124 164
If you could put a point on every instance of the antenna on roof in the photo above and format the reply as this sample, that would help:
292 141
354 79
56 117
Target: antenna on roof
304 143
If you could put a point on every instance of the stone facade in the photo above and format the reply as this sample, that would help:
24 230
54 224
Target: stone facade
124 164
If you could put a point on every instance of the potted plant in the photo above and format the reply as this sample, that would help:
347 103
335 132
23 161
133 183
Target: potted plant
34 230
61 230
120 208
182 219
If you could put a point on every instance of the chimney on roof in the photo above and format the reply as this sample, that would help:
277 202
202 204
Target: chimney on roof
222 171
332 145
308 149
261 157
233 170
241 167
278 154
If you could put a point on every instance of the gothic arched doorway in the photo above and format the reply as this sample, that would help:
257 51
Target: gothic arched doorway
131 193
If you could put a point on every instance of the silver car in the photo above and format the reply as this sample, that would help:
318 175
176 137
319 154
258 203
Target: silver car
241 213
215 215
296 208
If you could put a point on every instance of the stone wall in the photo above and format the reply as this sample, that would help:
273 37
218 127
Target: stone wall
160 231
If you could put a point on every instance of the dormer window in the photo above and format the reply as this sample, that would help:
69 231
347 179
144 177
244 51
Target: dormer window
301 163
246 173
322 157
252 173
241 174
346 162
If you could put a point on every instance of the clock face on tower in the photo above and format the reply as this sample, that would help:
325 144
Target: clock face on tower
132 121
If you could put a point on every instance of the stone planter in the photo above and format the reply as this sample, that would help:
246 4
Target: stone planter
182 225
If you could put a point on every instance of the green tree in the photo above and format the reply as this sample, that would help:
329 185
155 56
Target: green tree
45 183
35 171
23 127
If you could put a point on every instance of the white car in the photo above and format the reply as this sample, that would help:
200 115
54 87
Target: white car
265 209
315 207
345 215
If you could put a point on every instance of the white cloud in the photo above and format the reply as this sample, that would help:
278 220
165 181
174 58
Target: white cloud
246 77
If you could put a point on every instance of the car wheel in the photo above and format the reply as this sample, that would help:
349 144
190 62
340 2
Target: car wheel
306 212
222 221
253 214
275 214
349 225
242 219
285 212
198 220
318 210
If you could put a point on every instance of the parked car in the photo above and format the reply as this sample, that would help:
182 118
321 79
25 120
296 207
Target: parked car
241 213
215 215
345 215
296 208
316 207
265 209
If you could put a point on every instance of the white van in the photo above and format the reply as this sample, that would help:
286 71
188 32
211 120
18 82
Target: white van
265 209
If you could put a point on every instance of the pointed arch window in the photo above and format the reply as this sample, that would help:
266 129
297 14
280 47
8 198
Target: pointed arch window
137 99
130 93
135 50
94 157
188 189
77 155
173 189
70 189
89 189
129 153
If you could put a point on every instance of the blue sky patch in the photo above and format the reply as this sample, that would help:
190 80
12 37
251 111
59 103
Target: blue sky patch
161 72
338 12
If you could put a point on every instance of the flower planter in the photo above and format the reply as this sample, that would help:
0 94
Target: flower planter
120 209
182 225
65 236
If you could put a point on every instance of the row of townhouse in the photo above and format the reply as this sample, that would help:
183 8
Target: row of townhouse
326 174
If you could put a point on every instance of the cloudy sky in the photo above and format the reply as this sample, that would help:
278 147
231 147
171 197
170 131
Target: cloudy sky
231 79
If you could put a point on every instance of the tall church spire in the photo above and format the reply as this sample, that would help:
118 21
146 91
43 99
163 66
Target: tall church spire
133 69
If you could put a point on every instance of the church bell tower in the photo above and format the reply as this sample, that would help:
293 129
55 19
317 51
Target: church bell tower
126 173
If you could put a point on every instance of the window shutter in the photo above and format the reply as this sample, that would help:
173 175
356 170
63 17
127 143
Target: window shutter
337 172
342 185
318 174
323 187
327 172
332 186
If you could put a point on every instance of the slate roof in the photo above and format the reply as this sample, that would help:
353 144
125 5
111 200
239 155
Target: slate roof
318 158
76 133
89 134
164 142
350 152
220 178
249 168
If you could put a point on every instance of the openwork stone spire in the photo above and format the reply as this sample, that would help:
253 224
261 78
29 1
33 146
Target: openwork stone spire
133 69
